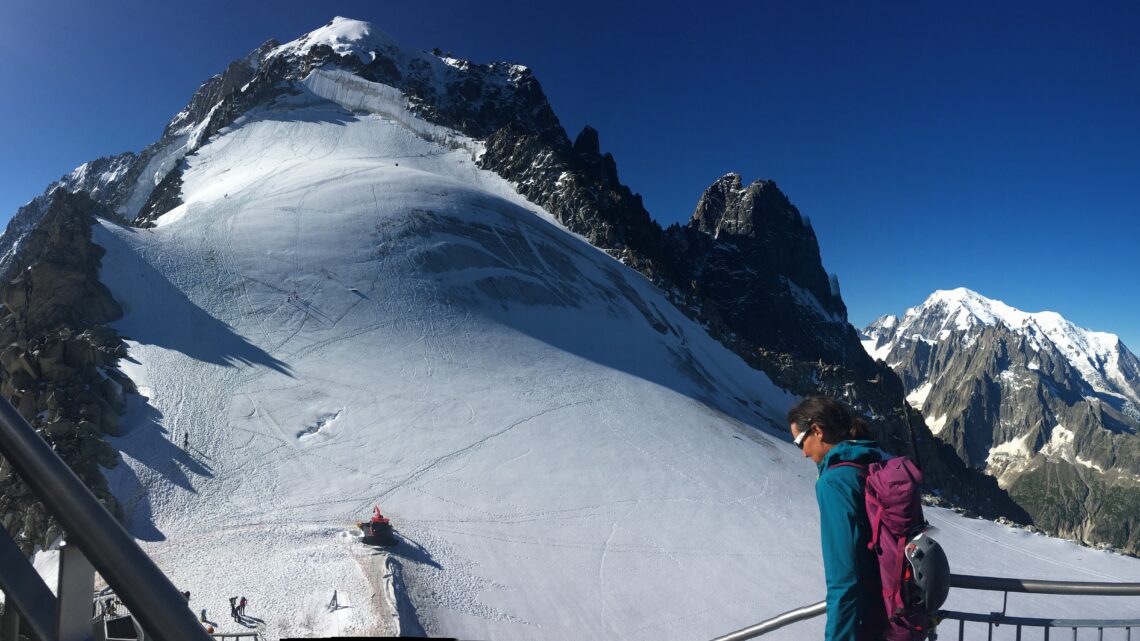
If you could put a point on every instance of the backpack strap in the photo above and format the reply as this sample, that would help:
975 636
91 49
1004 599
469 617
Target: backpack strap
862 468
876 518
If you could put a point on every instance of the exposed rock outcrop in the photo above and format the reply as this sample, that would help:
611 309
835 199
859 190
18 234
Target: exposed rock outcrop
57 360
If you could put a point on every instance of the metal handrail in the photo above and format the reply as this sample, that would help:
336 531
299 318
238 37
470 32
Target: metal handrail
1039 622
1036 586
776 622
137 581
972 582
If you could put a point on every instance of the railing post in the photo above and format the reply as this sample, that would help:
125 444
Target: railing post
76 587
27 596
10 625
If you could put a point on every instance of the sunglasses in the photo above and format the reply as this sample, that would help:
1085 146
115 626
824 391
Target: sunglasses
799 440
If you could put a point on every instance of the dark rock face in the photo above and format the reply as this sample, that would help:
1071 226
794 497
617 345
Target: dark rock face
1079 503
101 179
1008 401
582 191
57 363
166 196
747 253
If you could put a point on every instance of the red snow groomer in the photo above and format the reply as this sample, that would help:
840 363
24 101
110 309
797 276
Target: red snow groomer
378 530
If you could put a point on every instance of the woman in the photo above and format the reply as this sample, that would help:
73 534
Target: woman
839 445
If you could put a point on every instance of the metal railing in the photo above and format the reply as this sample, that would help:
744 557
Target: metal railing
92 535
776 622
992 619
1031 586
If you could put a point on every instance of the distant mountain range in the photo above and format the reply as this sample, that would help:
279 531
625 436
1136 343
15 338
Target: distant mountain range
1048 408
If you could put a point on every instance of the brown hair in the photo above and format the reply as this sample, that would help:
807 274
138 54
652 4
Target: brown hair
833 418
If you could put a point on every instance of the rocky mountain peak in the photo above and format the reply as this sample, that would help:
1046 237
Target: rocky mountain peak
586 143
727 207
1100 357
714 203
344 36
767 232
884 322
1050 409
964 308
475 100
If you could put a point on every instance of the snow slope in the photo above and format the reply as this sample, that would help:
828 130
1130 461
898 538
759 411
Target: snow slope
345 311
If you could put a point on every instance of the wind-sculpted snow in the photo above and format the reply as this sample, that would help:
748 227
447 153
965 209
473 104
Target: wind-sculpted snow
345 312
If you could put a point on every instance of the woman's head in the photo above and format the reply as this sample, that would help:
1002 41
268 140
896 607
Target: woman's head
818 423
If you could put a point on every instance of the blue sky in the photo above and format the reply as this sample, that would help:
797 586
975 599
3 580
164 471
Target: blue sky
933 145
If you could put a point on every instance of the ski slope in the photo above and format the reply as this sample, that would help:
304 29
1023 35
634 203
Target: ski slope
346 311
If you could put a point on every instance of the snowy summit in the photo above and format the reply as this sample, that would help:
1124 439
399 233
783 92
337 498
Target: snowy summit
1095 354
345 37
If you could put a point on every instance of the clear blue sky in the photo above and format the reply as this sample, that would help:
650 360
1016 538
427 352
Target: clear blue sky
994 146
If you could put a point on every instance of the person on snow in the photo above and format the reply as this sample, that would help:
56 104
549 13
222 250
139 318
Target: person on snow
241 607
827 433
233 608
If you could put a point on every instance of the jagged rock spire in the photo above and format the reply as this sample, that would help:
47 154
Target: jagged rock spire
727 207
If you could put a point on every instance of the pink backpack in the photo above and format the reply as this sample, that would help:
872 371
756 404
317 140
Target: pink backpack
894 508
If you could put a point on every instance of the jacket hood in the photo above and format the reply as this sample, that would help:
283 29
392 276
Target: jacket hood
862 452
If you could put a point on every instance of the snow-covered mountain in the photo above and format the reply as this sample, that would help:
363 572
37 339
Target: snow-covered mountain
1026 395
746 267
361 274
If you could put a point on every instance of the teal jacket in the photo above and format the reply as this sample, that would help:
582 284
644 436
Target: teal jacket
851 570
